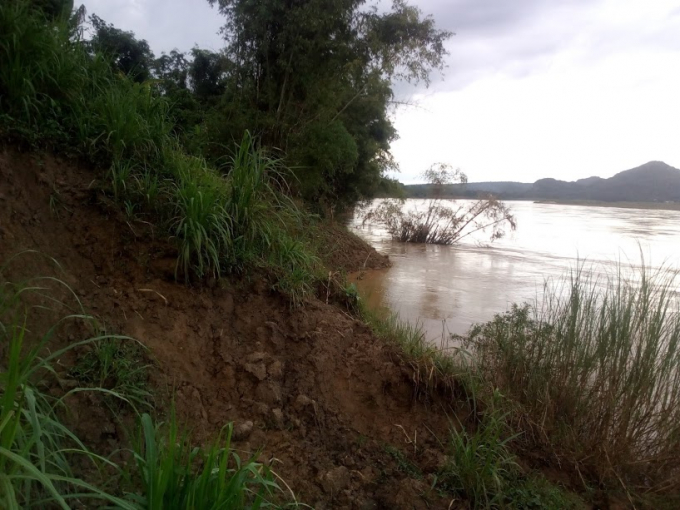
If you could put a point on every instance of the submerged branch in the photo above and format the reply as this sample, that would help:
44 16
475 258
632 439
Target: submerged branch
441 223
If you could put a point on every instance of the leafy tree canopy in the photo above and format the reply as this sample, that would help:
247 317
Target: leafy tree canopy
54 9
314 79
311 79
130 55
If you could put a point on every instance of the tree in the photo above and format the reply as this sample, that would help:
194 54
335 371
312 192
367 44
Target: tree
54 9
172 71
208 73
314 79
132 56
193 83
443 221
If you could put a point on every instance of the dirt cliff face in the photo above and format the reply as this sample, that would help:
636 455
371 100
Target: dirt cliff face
330 406
342 250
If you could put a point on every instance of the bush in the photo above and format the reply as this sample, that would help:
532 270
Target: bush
596 374
174 475
442 222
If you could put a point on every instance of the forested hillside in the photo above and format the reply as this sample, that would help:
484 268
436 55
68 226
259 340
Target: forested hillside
311 80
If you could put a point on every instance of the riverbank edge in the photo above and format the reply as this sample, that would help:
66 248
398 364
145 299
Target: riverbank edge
519 325
268 363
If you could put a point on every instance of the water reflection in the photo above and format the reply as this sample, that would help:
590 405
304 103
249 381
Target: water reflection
449 288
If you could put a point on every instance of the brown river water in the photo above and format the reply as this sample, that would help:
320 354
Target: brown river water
446 289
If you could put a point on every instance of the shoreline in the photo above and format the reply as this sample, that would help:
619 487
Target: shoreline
355 406
662 206
672 206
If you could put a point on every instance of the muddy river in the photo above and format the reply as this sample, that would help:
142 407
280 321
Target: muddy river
448 288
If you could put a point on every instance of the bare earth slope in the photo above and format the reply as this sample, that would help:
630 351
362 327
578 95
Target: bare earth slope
326 399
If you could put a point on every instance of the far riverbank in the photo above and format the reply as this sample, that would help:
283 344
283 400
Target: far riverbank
663 206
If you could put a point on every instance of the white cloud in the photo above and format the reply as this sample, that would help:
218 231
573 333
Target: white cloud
165 24
605 100
534 88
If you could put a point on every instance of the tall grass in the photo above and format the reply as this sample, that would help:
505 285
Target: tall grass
480 463
228 223
480 467
127 121
251 174
38 451
54 94
200 221
269 228
175 475
596 373
29 63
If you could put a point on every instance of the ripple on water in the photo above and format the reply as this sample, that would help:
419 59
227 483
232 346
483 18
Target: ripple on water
448 288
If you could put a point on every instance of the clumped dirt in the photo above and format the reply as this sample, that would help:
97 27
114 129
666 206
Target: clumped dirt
343 250
332 407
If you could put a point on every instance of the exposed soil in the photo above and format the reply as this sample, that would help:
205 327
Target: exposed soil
343 250
312 386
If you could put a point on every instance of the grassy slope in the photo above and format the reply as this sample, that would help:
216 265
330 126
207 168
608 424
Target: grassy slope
54 94
210 342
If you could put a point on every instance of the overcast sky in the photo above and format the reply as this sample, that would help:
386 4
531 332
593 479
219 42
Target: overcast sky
533 88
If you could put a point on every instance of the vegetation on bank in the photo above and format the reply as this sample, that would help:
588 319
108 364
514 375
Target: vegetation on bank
227 207
480 466
591 379
595 376
44 464
156 133
442 221
588 380
312 82
55 93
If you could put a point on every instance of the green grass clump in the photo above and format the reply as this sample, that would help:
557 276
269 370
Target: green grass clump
595 374
118 366
480 462
174 475
482 468
38 451
54 93
127 121
200 221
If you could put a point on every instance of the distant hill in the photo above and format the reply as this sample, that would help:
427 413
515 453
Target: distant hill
652 182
